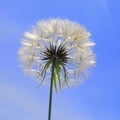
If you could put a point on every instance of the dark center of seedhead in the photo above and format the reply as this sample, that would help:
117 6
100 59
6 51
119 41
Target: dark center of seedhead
56 54
56 58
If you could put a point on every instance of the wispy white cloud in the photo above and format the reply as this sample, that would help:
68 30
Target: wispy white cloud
19 103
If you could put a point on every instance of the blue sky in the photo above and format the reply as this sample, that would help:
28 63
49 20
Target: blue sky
98 98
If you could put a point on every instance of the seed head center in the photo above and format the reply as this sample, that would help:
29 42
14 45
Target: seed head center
56 53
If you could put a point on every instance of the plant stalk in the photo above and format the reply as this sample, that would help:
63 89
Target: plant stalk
50 94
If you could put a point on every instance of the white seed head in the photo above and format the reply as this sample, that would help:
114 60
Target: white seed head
77 43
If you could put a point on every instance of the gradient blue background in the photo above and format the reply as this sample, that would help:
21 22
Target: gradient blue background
98 98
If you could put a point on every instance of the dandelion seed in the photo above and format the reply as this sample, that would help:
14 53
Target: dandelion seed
64 39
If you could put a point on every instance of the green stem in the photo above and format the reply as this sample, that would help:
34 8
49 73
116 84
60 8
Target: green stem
50 95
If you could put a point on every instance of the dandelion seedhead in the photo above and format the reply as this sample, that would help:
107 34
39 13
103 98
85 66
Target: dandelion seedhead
61 43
